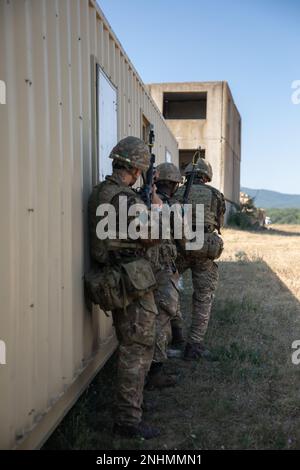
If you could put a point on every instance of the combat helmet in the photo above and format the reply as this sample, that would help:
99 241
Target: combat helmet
133 152
203 167
168 172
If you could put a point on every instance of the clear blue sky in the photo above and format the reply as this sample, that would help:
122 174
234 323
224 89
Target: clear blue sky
253 44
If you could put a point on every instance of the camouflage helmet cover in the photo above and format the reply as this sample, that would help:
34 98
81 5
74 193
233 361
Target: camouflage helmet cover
203 167
133 152
168 172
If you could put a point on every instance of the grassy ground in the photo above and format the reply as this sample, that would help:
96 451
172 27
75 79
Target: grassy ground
249 397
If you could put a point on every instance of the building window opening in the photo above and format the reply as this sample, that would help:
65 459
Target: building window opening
186 157
186 105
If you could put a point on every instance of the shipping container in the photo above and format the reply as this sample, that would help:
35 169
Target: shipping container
71 92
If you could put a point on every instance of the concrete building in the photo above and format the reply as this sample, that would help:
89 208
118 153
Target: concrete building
71 93
204 114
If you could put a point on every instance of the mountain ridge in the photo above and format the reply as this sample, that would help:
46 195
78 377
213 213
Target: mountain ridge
268 199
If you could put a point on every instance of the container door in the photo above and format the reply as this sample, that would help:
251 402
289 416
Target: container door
107 122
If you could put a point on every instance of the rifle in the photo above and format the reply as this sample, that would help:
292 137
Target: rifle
191 177
146 191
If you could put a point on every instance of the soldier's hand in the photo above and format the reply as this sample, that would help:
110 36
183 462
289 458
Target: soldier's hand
156 201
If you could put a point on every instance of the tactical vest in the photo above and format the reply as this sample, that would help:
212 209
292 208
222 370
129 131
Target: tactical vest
164 254
103 193
214 205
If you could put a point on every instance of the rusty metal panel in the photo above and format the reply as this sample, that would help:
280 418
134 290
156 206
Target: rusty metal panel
48 53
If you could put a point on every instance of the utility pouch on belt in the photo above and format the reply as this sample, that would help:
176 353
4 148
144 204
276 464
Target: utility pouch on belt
104 288
138 278
117 286
213 244
212 248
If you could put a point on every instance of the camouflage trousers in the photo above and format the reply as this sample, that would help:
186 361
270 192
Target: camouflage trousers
166 298
135 331
205 279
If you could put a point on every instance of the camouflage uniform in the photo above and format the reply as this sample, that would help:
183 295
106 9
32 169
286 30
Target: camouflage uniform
136 334
167 276
205 279
177 320
135 325
166 294
204 269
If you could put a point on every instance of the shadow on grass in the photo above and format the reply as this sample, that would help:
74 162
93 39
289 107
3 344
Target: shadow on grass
284 233
267 231
246 399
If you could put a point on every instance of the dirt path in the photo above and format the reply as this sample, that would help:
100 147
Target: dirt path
249 397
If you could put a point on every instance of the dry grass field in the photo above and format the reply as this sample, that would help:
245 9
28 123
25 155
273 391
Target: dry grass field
278 246
248 398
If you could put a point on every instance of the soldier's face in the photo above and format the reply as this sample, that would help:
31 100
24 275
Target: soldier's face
136 173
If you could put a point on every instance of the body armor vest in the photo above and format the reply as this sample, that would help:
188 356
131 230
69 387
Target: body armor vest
163 254
213 201
103 193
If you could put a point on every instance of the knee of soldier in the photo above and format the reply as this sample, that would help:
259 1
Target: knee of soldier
139 339
139 324
134 357
203 296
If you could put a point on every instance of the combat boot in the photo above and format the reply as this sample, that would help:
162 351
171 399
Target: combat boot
195 351
158 379
175 349
140 430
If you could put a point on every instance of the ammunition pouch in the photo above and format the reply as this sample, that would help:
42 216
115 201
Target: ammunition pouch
212 248
103 287
117 286
215 245
138 278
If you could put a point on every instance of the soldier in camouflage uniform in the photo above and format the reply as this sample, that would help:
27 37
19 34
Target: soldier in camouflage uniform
135 324
204 269
166 294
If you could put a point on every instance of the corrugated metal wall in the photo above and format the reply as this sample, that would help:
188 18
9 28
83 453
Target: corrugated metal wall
54 345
